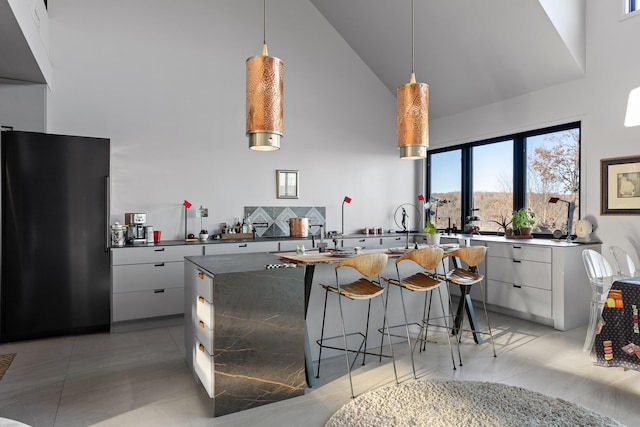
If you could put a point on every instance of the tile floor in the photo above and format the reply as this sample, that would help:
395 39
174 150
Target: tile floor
140 379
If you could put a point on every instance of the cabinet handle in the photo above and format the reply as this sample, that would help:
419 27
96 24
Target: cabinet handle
201 323
201 347
159 250
517 286
242 246
200 299
517 260
398 238
200 275
160 264
158 291
517 247
362 240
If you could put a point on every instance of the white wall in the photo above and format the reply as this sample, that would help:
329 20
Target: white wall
165 80
599 101
22 105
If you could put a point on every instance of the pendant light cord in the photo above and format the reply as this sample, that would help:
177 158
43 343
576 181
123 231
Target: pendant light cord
264 21
412 36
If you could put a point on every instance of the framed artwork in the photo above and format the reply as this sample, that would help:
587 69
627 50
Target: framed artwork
287 184
620 186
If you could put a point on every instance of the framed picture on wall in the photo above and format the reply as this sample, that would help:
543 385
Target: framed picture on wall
287 184
620 186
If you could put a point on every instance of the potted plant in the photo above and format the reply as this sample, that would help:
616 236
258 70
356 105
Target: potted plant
522 220
433 238
504 223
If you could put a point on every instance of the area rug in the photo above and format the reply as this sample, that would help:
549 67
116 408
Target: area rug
5 362
462 403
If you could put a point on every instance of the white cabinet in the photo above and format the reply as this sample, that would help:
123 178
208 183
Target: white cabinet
538 282
394 241
148 281
519 278
199 324
286 245
241 247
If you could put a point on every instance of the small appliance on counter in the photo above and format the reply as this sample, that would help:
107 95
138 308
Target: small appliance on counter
136 230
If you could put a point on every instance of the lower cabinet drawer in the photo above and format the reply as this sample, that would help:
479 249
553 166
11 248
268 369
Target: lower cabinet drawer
204 285
528 273
144 304
146 277
204 311
205 336
204 367
523 299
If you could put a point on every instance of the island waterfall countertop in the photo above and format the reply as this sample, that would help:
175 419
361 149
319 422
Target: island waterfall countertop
244 329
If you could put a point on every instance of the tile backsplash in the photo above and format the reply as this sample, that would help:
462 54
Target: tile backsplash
277 218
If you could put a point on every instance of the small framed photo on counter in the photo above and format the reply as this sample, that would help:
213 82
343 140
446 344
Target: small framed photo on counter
287 184
620 186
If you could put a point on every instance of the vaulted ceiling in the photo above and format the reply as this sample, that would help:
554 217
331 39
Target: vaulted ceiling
470 52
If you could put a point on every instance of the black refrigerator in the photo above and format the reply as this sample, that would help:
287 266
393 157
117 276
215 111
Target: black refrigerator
55 235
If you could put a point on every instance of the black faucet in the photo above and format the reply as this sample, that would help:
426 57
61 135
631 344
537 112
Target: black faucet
259 225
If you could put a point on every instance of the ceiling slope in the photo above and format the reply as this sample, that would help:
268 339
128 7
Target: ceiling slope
471 53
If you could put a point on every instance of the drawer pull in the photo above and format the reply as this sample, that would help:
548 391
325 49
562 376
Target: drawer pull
159 250
160 264
201 300
242 246
201 323
200 275
158 291
517 286
362 240
201 347
517 260
517 247
398 238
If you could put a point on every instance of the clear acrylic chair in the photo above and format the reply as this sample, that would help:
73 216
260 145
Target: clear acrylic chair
365 288
424 281
601 278
625 266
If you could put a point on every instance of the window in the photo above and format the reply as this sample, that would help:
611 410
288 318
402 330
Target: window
553 171
484 181
632 6
492 168
446 189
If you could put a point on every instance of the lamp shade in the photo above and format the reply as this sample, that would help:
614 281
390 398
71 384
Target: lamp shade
264 101
633 109
413 119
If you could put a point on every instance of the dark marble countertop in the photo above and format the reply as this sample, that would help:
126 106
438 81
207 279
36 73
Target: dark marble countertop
211 241
236 263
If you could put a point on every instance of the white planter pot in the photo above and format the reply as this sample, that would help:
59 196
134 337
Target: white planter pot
433 239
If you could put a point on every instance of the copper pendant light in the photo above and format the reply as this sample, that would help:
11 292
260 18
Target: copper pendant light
413 112
264 97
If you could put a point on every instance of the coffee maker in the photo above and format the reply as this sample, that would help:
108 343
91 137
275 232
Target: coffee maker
136 230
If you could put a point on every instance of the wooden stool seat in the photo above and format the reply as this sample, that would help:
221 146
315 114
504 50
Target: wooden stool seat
360 289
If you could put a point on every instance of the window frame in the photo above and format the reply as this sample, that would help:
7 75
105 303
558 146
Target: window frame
519 167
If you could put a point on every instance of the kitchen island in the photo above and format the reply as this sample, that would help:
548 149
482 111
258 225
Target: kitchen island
244 329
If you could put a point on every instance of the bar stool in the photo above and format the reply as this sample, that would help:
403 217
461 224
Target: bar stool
365 288
426 281
465 279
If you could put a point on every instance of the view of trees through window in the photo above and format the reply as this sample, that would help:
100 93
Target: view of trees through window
497 179
553 171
